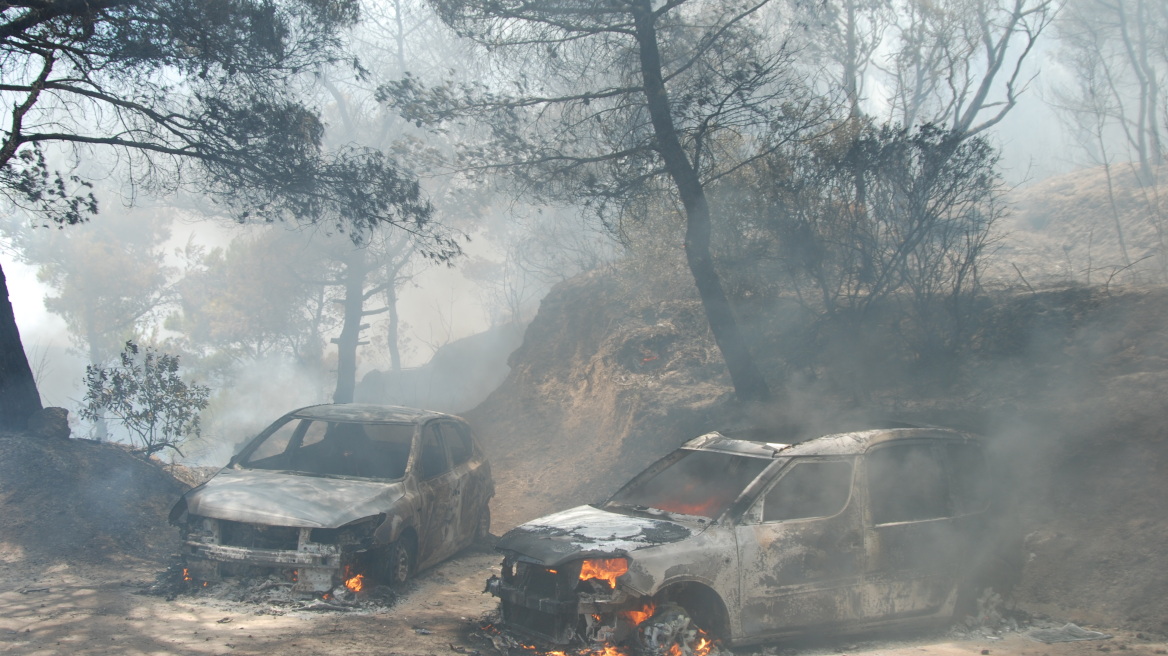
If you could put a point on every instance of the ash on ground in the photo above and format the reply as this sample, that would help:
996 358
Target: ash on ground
270 595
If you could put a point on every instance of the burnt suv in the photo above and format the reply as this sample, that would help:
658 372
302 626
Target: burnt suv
754 540
328 492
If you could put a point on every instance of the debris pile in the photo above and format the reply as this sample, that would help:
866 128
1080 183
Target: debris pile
667 632
272 595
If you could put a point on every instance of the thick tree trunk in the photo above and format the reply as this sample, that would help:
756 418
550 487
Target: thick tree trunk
749 384
18 392
350 337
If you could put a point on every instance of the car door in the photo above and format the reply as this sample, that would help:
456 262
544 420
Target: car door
470 488
912 540
437 485
801 550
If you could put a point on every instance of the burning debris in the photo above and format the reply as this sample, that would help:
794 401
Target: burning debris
664 632
274 594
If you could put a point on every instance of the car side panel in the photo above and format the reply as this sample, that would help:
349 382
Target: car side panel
802 573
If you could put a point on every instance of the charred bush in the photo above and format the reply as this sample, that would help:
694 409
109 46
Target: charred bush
868 226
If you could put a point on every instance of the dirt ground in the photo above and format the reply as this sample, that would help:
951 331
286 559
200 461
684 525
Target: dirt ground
100 610
71 583
67 609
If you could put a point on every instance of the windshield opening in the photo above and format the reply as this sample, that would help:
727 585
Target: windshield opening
701 483
311 446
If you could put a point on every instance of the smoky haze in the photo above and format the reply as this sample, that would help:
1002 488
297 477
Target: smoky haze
1020 300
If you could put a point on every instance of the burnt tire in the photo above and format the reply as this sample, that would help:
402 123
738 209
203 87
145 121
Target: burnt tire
668 631
399 562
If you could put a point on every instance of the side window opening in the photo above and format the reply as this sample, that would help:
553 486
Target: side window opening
433 457
809 489
389 449
907 482
458 442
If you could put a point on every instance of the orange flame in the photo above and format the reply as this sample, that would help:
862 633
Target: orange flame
353 582
605 569
635 617
187 575
356 583
702 646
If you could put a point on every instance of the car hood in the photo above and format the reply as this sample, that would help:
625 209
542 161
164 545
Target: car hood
587 531
284 499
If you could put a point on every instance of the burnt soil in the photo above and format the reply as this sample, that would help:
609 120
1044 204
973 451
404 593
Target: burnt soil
79 502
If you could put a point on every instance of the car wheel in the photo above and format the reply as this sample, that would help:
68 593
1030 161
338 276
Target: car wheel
666 632
399 563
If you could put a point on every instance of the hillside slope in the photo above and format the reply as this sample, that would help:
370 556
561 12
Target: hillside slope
1070 385
78 502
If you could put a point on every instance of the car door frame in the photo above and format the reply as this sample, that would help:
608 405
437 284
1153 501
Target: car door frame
473 490
770 607
437 507
912 563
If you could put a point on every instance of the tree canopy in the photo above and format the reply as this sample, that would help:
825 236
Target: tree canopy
203 94
613 101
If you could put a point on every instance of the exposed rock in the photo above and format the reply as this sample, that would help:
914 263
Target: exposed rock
52 423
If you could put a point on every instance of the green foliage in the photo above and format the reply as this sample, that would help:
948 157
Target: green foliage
28 181
108 277
147 395
202 92
259 297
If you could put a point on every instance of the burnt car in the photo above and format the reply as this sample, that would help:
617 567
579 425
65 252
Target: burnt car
328 492
751 540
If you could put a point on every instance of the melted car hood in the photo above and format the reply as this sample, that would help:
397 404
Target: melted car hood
586 531
283 499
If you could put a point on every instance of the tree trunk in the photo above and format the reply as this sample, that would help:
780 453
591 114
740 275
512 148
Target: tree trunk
350 337
393 336
100 426
749 384
18 392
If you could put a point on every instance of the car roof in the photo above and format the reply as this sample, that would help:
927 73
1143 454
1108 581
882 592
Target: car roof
754 442
367 412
